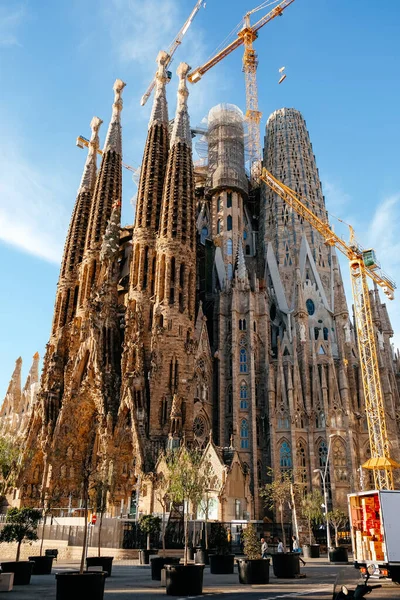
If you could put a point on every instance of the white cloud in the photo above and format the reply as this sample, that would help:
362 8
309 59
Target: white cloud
9 22
32 217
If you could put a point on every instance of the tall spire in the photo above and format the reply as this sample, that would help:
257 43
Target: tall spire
114 134
159 112
108 188
75 242
178 205
155 156
89 172
181 129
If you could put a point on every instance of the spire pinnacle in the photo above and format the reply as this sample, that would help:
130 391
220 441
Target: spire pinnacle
241 272
181 129
110 245
159 112
114 137
89 172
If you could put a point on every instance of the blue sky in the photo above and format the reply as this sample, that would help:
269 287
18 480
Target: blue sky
58 62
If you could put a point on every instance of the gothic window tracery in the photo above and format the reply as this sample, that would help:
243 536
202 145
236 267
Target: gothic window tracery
339 460
322 453
285 457
244 434
243 396
243 361
302 461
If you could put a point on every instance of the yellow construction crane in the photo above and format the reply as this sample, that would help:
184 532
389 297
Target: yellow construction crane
246 37
363 264
174 46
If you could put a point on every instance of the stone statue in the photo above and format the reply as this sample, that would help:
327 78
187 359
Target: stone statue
302 332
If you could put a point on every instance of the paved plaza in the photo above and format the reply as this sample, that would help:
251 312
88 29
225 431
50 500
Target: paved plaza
130 581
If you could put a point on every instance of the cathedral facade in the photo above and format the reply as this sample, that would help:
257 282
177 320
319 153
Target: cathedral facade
219 316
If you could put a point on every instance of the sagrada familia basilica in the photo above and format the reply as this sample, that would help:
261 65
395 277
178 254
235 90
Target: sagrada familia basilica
218 320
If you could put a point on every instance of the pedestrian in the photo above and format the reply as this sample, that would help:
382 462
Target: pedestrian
280 545
264 548
296 548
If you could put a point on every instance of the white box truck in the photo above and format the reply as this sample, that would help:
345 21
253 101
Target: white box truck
375 531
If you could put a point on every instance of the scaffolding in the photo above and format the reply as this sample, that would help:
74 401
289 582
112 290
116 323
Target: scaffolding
226 148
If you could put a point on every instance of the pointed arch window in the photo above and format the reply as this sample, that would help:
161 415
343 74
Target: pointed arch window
243 361
229 223
230 271
229 200
326 333
322 453
203 235
219 204
229 247
244 434
219 226
242 324
243 397
339 460
285 456
302 462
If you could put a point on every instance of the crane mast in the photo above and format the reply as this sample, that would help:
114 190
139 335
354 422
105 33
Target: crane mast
174 46
246 37
362 265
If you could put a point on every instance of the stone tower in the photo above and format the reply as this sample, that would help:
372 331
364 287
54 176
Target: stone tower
315 390
82 371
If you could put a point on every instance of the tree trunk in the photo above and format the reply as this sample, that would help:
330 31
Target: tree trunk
18 551
42 538
336 536
283 530
99 541
85 515
309 530
186 538
163 531
148 542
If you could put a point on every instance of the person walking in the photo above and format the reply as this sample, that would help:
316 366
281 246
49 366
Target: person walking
296 548
280 546
264 548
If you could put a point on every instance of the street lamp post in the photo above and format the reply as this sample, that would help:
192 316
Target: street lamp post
323 474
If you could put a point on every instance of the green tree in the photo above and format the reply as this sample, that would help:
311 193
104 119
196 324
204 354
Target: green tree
149 524
252 545
277 494
98 491
187 483
338 518
311 509
21 524
219 539
10 461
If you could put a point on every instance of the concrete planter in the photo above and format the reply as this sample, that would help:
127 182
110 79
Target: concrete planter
311 551
286 565
184 580
105 562
42 564
253 571
80 586
22 571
